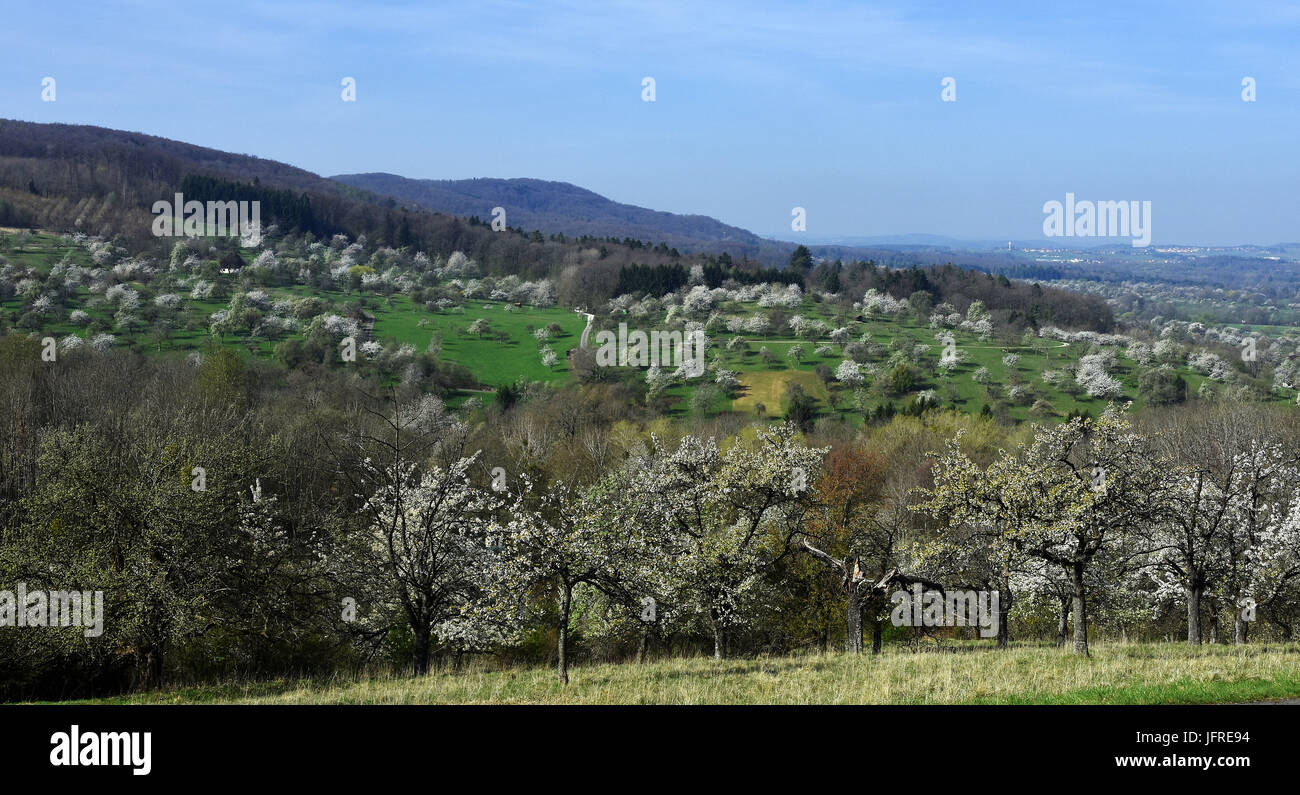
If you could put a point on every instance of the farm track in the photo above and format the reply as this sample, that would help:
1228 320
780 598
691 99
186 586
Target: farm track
582 343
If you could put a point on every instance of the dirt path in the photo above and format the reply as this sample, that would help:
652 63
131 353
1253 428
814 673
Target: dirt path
582 343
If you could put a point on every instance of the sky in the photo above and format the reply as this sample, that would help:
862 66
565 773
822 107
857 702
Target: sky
758 107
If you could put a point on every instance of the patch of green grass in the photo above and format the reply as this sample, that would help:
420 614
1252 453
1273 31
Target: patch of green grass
493 361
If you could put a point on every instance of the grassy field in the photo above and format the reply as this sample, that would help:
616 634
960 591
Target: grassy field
767 387
504 354
494 362
1167 673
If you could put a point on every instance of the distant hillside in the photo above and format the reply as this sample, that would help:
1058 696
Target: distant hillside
563 208
558 207
66 177
104 182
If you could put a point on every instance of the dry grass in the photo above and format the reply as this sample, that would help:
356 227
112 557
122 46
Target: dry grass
1115 674
768 387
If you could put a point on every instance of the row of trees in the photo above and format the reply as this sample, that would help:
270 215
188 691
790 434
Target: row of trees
1013 304
1152 514
244 520
691 534
674 535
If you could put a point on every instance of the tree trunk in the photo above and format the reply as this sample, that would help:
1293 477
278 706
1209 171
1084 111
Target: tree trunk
877 635
1063 627
420 656
1193 614
1004 605
562 665
643 645
156 668
719 641
853 641
1080 611
150 668
1004 612
1241 630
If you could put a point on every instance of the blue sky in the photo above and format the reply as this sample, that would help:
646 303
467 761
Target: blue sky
760 107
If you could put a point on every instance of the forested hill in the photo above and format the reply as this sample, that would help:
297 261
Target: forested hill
97 180
558 207
103 182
